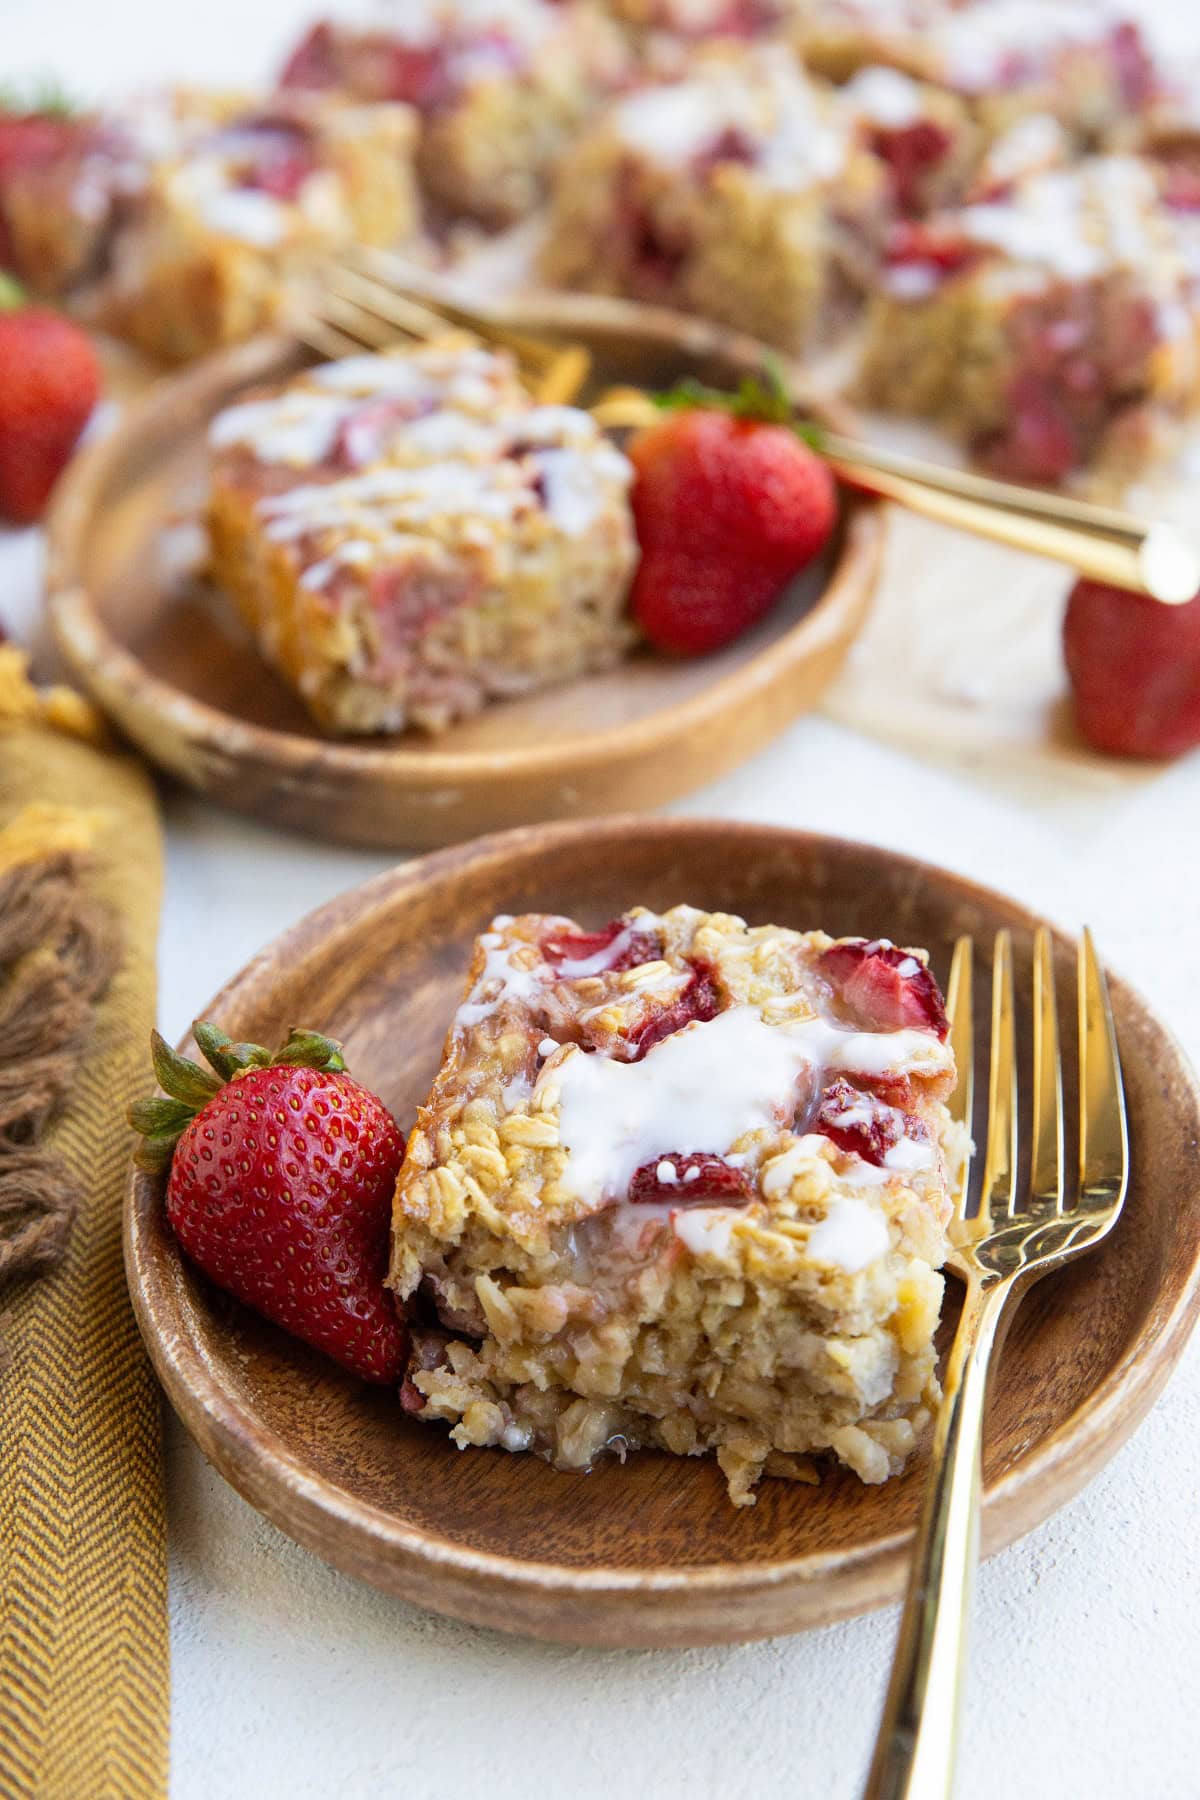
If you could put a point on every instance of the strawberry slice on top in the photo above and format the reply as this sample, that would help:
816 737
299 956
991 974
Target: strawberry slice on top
883 988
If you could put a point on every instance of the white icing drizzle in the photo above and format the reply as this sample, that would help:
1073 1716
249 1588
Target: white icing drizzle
885 97
297 426
501 980
1076 222
578 968
705 1230
976 45
852 1234
704 1087
244 213
765 97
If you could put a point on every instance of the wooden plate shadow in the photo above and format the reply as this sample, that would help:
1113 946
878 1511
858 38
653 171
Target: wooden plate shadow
652 1553
180 676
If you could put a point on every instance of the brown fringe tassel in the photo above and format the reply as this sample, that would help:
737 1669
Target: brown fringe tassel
59 950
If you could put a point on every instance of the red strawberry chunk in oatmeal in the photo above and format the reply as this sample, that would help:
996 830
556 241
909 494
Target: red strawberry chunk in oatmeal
935 247
910 152
883 988
697 1179
863 1125
699 1002
609 951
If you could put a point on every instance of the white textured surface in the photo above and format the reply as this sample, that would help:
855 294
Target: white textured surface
289 1680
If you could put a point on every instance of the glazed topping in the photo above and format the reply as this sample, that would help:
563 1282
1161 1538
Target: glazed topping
424 53
851 1235
387 445
619 946
1075 222
1029 147
885 97
1008 41
303 423
703 1088
761 108
861 1124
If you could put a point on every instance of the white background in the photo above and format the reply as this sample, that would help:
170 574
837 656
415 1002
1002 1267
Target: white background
290 1680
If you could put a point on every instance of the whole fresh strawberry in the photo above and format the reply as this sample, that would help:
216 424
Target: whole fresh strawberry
730 504
49 385
281 1177
1134 666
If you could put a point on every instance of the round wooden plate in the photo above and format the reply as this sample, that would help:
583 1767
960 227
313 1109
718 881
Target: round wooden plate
651 1553
181 677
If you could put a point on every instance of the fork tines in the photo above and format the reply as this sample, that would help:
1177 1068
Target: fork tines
368 299
1017 1227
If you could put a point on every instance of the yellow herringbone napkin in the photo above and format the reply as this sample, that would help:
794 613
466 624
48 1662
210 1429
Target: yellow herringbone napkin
84 1663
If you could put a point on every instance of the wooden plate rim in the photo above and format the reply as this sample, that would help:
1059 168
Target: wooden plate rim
86 642
254 1460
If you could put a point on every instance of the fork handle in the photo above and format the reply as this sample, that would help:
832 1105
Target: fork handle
915 1750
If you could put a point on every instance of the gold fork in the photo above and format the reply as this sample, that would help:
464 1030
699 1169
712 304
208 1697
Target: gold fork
368 299
1018 1234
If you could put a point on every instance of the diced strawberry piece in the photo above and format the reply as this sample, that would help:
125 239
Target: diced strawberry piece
910 151
862 1124
911 241
884 988
314 61
697 1179
364 433
629 948
30 140
1136 74
700 1000
418 75
732 145
409 596
1041 442
1134 666
1181 188
280 159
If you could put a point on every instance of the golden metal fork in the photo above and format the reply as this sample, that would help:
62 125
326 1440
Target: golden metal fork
1018 1234
372 300
368 299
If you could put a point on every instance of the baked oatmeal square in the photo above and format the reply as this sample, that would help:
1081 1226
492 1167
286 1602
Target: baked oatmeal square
408 535
741 192
682 1183
499 86
1084 64
188 213
1052 326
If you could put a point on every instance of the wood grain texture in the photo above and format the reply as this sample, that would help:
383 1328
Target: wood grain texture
652 1553
180 675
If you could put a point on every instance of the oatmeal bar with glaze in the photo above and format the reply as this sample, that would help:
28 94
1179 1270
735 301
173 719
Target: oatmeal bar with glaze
682 1183
742 193
1081 62
409 536
1054 327
500 86
189 212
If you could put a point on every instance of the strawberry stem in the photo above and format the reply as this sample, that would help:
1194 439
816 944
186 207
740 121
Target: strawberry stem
45 97
763 397
12 294
188 1087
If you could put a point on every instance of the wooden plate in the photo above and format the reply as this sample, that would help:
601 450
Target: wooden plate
181 677
652 1553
